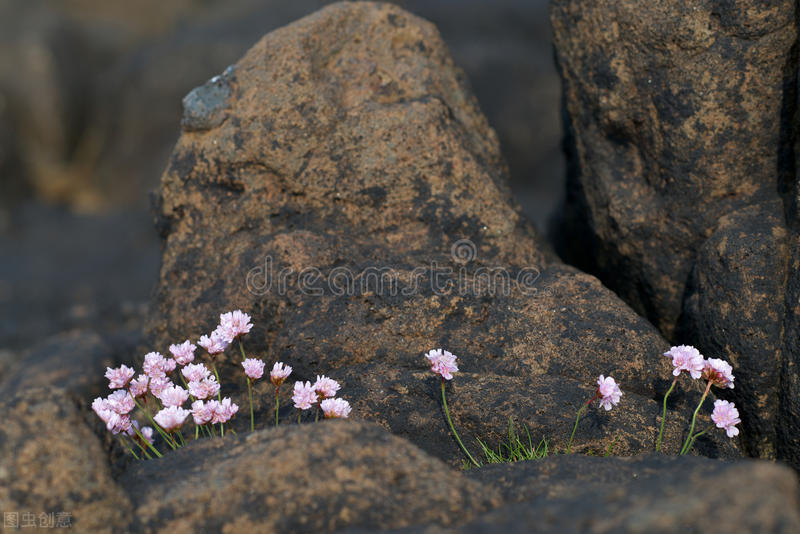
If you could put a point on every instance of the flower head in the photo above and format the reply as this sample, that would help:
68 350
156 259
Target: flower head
335 408
121 402
138 386
119 377
726 416
174 396
183 353
215 343
442 363
147 433
234 324
171 418
304 396
202 412
223 411
686 358
115 422
609 392
718 372
279 373
195 371
326 387
253 368
159 384
205 388
156 366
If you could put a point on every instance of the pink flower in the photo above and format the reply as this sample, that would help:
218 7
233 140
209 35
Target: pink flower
223 411
115 422
147 433
159 384
686 358
138 386
205 388
234 324
119 377
253 368
726 416
216 343
718 372
174 396
121 402
442 363
304 396
279 373
326 387
171 418
183 353
335 408
195 372
156 366
202 412
609 392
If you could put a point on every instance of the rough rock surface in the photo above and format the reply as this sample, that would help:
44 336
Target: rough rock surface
310 478
642 494
51 462
346 152
679 124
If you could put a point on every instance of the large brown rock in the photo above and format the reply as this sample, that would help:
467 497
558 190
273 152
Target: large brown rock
346 152
51 462
679 130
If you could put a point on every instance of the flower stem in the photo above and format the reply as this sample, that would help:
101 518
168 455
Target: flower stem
152 421
664 414
250 397
125 442
241 349
144 440
694 438
686 445
277 405
453 429
574 428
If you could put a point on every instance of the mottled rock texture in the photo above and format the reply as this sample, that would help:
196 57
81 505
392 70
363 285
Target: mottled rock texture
679 121
311 478
346 152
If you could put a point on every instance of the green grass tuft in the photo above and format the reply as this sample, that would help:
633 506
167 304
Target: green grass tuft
515 448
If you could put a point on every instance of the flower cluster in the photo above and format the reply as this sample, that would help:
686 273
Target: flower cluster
715 372
163 401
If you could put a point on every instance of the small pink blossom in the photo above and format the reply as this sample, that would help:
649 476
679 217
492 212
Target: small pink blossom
279 373
171 418
183 353
138 386
253 368
121 402
118 378
335 408
115 422
174 396
442 363
159 384
146 432
195 372
726 416
223 411
202 412
686 358
216 343
718 372
205 388
609 392
304 396
326 387
156 366
234 324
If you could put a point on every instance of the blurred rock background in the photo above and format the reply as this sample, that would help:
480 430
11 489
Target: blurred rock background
90 104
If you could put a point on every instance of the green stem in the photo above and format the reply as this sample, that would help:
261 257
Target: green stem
453 429
125 442
684 450
277 405
691 443
664 414
153 422
250 397
144 440
574 428
241 349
